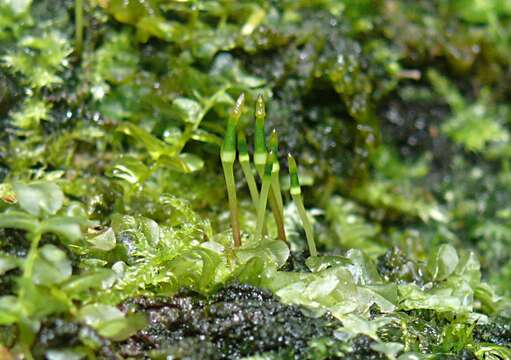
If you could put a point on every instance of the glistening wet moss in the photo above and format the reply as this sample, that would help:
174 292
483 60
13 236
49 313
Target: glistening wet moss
399 124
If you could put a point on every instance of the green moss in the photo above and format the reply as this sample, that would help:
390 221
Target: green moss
112 186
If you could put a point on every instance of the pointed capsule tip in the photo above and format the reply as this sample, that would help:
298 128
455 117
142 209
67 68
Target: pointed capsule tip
269 163
260 111
274 141
241 99
291 163
238 107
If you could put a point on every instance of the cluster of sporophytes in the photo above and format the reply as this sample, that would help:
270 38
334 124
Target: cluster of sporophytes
268 169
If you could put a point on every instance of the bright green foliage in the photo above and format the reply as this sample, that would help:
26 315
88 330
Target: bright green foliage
39 58
110 322
472 126
337 287
349 286
349 228
35 52
135 256
44 269
112 185
31 114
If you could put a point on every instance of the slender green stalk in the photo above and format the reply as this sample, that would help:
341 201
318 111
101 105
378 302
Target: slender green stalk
233 204
263 196
78 26
276 203
260 157
228 156
260 153
275 179
296 194
275 189
278 216
244 159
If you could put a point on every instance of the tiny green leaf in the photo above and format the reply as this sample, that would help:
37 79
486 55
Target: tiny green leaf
103 241
19 220
122 328
443 262
66 227
390 349
39 198
192 162
10 310
184 162
99 279
97 314
130 169
110 321
275 252
154 146
7 263
189 109
51 266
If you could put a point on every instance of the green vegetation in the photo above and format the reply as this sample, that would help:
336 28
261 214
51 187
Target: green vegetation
228 156
296 194
123 233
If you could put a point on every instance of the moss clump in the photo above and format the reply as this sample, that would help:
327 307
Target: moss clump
112 188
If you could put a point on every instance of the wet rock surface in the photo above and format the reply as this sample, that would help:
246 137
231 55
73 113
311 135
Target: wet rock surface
498 332
238 321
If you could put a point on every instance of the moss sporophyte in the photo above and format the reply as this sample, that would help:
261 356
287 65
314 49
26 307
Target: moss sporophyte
260 157
228 156
267 166
263 198
296 194
244 159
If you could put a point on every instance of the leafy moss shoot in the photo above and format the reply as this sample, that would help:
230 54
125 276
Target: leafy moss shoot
148 210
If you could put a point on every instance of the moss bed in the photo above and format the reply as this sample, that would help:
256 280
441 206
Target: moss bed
115 228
